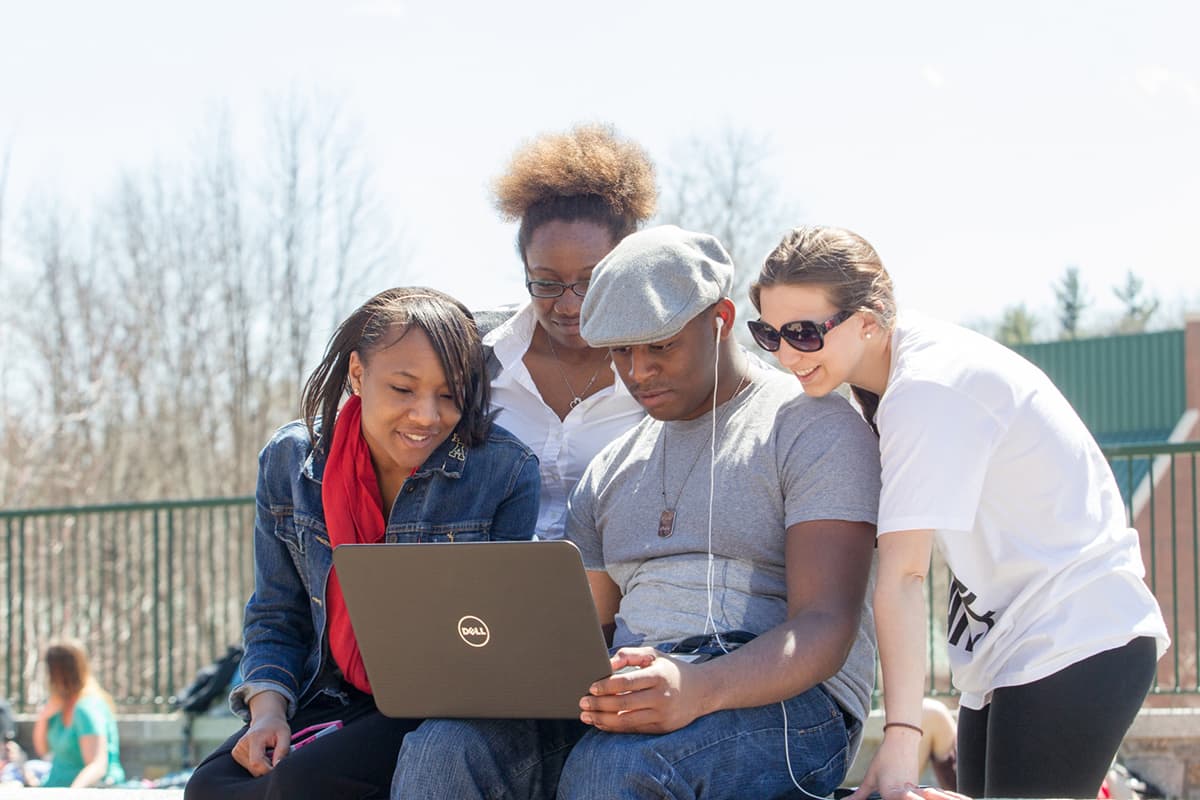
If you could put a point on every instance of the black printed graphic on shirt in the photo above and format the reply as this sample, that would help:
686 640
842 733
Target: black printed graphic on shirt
966 625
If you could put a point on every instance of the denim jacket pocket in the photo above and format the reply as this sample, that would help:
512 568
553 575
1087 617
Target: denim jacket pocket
285 531
478 530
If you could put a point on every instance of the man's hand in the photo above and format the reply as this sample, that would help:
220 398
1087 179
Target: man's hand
663 695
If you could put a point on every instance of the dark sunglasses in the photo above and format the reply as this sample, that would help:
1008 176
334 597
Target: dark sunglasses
803 334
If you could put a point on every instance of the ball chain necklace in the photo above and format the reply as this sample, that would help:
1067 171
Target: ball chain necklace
576 397
666 520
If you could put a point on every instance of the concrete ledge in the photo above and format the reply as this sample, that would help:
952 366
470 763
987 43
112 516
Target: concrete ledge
1163 746
152 745
20 793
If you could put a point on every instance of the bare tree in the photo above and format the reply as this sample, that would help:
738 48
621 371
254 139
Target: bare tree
171 333
4 165
325 238
723 186
7 335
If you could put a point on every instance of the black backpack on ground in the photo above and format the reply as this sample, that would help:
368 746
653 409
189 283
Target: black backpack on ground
8 722
211 683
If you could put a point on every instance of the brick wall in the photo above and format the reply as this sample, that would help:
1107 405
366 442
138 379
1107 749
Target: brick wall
1171 558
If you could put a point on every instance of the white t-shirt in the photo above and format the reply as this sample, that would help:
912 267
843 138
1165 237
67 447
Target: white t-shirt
563 447
979 445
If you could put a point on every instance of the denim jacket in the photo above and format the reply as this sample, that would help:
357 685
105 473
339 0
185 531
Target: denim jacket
478 493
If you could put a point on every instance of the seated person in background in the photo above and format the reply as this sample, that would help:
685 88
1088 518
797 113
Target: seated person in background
769 543
77 727
938 750
12 757
12 764
396 444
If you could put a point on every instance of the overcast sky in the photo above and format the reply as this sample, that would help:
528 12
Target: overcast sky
981 148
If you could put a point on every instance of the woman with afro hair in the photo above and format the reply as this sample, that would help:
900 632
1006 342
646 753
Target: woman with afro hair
575 195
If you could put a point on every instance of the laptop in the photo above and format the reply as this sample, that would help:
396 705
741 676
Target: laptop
474 629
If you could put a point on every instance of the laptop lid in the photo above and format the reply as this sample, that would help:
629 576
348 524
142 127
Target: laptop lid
474 629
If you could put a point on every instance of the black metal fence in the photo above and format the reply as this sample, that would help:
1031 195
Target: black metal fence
156 590
153 590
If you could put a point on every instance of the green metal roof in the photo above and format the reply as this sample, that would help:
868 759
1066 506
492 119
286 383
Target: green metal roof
1127 388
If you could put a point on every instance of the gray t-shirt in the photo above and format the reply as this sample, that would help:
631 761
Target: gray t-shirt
782 458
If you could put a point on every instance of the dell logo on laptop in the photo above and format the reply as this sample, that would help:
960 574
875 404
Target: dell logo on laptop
474 631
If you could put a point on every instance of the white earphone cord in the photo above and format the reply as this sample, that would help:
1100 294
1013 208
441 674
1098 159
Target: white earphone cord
712 488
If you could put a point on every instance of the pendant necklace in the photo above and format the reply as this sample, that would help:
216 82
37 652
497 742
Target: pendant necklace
666 520
576 397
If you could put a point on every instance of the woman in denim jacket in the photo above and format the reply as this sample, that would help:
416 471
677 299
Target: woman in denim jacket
413 457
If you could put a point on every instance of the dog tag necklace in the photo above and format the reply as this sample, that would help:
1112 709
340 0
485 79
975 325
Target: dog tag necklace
666 520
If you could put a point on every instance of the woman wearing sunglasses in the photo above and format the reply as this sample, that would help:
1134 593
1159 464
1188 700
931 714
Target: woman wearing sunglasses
1052 634
575 196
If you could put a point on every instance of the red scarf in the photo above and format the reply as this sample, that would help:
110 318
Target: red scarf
353 515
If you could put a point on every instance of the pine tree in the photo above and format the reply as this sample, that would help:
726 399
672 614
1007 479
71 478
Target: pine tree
1072 300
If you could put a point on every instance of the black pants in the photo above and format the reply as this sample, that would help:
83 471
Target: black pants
354 762
1055 737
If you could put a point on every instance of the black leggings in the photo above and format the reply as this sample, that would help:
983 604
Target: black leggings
354 762
1055 737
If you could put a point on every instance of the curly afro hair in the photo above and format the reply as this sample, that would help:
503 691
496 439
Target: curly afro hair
587 174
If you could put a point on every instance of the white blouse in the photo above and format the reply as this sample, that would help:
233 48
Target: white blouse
563 447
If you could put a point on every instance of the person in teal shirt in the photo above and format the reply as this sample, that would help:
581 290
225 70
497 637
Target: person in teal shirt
77 728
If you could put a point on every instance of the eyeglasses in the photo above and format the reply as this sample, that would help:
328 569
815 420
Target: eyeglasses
555 288
803 334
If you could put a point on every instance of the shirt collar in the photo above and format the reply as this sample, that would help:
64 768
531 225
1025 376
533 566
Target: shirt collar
511 339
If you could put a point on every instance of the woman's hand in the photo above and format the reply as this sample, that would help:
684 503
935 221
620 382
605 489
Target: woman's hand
269 736
51 707
41 740
893 770
941 794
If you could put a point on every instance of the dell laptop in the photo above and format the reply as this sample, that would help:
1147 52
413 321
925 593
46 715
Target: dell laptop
474 629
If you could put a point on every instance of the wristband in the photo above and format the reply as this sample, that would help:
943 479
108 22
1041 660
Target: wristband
908 725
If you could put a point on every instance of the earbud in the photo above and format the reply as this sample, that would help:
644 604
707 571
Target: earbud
720 322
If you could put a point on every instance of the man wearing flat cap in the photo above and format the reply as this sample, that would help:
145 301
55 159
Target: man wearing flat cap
733 583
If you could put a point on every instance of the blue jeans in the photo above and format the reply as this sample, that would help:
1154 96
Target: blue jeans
737 753
484 759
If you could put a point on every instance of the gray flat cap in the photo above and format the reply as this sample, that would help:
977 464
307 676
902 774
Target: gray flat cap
652 284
